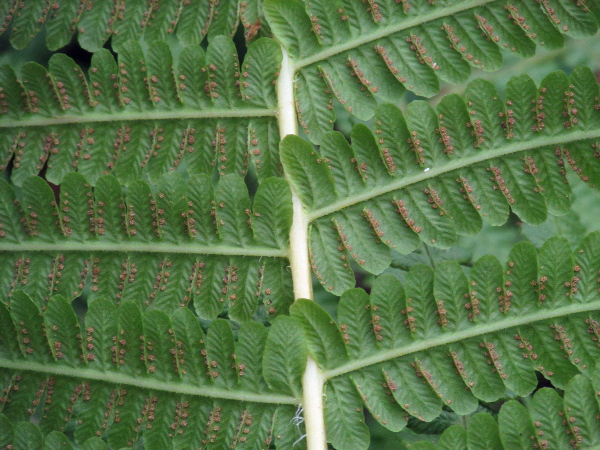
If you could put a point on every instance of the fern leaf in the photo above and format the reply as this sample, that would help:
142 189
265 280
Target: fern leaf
143 117
7 9
434 175
145 377
56 440
162 249
27 20
96 23
27 436
225 18
450 338
94 443
548 421
370 49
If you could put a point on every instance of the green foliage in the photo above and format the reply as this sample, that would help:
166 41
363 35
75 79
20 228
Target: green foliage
548 421
435 175
98 21
160 250
450 338
140 116
158 217
359 52
132 376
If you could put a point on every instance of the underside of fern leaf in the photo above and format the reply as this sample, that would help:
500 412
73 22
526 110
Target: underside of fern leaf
432 175
449 338
180 244
360 51
97 22
548 422
130 376
140 116
160 216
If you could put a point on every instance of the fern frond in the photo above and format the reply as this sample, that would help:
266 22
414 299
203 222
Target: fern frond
548 422
356 50
95 23
143 116
22 435
58 441
163 249
433 175
450 338
130 376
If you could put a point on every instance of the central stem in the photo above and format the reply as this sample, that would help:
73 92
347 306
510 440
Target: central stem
312 380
